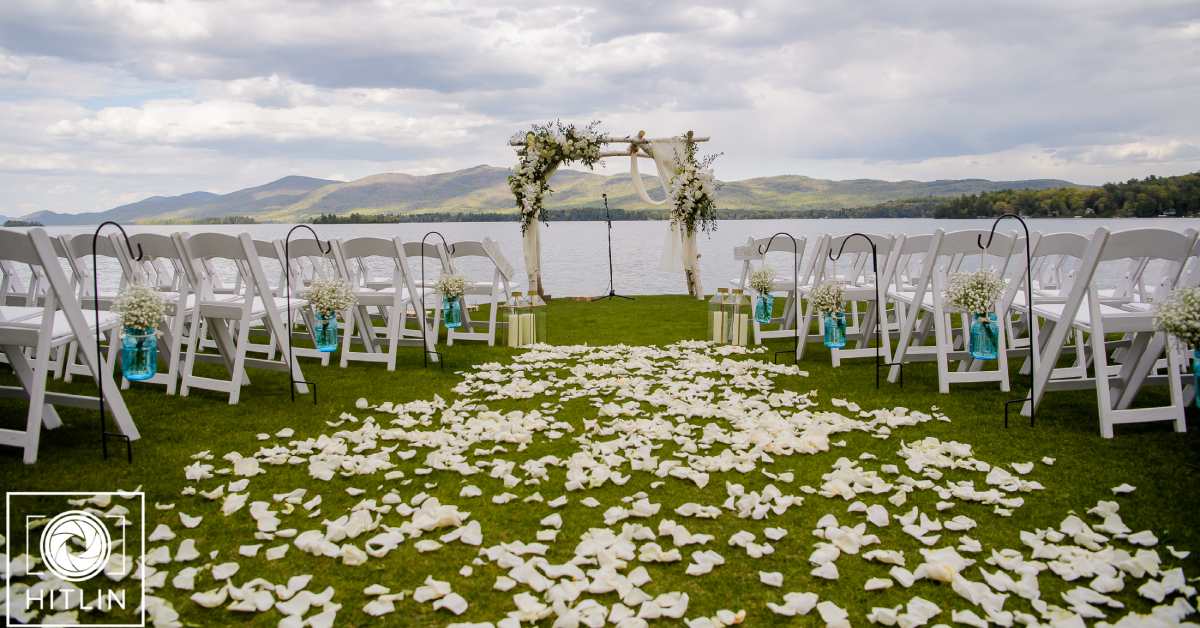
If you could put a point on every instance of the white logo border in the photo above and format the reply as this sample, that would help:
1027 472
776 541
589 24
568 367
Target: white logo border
141 495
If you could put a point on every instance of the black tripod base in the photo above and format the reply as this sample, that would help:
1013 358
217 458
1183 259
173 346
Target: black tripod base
612 295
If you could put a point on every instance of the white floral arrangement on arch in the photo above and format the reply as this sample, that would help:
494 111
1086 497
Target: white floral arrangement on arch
975 293
693 189
762 280
140 307
329 296
546 147
451 286
1179 316
827 298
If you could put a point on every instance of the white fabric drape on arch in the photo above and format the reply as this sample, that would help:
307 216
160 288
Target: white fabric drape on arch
666 155
679 248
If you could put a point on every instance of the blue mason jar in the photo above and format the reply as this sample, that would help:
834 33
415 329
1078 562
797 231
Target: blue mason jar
452 312
764 308
985 334
326 333
139 353
835 330
1196 375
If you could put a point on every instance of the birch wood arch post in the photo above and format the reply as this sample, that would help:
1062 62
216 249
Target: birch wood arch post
542 149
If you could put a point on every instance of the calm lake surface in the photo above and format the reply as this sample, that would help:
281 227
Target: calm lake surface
575 256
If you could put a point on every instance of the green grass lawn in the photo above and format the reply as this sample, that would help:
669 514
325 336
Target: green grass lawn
1160 463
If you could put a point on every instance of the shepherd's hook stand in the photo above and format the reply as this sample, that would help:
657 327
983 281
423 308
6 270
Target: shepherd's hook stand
612 293
425 351
287 275
1033 348
880 314
762 250
137 257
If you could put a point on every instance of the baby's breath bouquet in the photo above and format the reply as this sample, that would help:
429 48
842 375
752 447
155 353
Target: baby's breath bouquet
1179 316
974 292
140 307
762 280
827 298
451 286
329 296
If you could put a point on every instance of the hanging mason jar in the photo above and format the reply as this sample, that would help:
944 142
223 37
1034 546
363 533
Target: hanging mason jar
525 320
835 329
985 334
1196 375
139 353
452 312
764 308
326 333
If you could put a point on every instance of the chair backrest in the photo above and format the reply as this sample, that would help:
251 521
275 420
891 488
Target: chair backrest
855 266
357 258
484 252
1144 247
201 253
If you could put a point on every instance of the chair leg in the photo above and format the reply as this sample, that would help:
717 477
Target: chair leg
239 362
942 340
37 400
189 360
393 321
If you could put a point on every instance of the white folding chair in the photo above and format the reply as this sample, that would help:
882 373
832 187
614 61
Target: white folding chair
56 321
229 317
753 255
1087 310
861 284
924 308
486 254
364 263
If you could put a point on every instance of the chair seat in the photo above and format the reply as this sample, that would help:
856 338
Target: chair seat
26 322
1116 319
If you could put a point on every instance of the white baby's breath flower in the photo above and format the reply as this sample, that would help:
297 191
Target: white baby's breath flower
827 298
451 286
762 279
974 292
1179 316
329 296
140 306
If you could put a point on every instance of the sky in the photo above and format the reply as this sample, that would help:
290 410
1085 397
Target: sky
111 101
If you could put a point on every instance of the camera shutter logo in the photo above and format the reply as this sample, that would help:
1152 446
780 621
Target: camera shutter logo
75 545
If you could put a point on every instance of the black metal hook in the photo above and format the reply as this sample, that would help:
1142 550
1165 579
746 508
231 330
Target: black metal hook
287 278
880 314
762 250
424 341
1029 309
104 433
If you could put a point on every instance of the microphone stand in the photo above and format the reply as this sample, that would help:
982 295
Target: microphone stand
611 292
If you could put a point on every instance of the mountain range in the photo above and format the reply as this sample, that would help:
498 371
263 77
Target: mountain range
484 189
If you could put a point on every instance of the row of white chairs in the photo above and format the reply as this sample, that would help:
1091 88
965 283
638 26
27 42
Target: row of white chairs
219 289
1086 288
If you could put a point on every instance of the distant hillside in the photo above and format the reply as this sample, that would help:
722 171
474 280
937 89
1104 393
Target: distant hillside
484 189
197 205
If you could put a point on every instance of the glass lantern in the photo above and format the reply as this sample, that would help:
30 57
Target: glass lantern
525 320
737 318
716 316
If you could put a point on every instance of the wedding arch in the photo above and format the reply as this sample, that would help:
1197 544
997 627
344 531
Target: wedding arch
686 180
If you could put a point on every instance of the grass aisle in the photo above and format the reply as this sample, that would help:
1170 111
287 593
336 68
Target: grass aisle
1161 464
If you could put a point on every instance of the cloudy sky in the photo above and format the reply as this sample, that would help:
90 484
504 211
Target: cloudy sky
110 101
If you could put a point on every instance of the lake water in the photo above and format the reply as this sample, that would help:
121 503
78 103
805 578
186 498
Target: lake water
575 257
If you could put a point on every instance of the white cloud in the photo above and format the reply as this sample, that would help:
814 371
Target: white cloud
120 97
